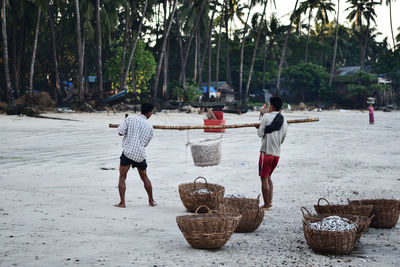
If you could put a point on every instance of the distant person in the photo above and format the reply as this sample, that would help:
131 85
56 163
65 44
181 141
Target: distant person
137 133
272 130
210 114
371 114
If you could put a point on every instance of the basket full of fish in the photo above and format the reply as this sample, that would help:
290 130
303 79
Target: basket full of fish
197 194
206 152
330 235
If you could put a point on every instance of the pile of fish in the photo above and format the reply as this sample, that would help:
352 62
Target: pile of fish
333 223
202 191
235 196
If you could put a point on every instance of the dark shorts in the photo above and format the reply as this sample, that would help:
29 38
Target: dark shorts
125 161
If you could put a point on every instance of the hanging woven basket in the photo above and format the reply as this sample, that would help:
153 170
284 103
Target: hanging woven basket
207 152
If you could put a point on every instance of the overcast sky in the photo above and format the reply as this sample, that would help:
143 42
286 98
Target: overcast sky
285 7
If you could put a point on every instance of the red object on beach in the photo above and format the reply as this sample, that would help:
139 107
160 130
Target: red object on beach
219 121
214 122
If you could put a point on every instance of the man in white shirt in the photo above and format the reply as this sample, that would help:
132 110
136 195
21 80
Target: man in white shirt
272 130
137 133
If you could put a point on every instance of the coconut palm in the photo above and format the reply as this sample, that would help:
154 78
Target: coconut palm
278 79
389 3
9 92
322 7
360 9
336 42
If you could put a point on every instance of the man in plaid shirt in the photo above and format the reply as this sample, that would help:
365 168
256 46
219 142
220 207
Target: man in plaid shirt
137 133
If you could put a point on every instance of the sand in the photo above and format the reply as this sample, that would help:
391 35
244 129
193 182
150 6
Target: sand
56 201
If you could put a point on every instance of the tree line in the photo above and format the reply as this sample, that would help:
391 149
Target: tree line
163 50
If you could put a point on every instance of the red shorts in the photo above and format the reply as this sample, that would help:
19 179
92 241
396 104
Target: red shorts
267 164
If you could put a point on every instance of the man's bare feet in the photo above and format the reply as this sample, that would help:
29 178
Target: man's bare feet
152 203
266 207
120 205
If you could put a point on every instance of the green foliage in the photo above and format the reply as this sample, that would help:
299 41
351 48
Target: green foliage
144 65
307 79
193 92
358 77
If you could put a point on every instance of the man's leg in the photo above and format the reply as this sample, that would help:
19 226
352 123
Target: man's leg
265 192
123 171
270 190
147 186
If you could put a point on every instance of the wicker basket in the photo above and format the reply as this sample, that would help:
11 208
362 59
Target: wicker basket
362 222
248 208
207 231
206 152
364 210
329 242
386 211
191 199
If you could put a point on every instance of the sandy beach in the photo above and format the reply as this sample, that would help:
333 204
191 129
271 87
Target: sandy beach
58 184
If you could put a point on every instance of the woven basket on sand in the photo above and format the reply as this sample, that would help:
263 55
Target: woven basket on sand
329 242
361 221
248 208
386 211
208 230
364 210
192 199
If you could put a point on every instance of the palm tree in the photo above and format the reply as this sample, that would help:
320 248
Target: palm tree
255 51
32 68
50 14
323 7
80 51
278 79
164 48
336 41
250 5
389 3
99 61
358 10
9 92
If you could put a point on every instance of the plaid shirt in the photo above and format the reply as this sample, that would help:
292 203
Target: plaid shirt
137 132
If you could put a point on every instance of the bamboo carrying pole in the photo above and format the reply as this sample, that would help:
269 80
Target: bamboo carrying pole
193 127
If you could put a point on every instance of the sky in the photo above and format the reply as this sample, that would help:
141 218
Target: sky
285 7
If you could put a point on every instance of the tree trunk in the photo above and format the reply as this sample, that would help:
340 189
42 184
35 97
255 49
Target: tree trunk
228 64
132 52
190 41
254 53
85 67
361 44
19 59
99 61
365 46
163 50
308 35
195 57
57 91
264 62
335 48
242 51
391 25
9 91
80 56
217 63
32 68
165 61
127 26
278 79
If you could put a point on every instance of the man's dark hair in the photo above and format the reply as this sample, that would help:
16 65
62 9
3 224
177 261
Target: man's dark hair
276 102
146 108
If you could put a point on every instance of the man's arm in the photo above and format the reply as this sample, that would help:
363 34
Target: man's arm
149 137
264 121
123 128
276 124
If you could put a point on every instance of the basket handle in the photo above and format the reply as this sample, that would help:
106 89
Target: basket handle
304 209
194 182
319 200
202 206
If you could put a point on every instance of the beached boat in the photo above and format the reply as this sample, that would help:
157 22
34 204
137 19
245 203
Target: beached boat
117 98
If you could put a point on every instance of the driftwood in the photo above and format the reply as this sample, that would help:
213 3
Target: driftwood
231 126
